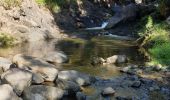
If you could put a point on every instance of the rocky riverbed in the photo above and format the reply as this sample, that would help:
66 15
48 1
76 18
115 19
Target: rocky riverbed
48 74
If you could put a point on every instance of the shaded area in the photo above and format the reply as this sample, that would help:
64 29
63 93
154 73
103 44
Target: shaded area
72 14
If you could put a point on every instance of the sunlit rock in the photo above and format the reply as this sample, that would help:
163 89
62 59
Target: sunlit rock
19 79
108 91
37 78
116 59
5 63
56 57
7 93
79 78
36 65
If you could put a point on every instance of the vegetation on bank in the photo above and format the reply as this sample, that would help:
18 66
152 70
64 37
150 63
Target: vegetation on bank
57 5
8 4
6 40
156 38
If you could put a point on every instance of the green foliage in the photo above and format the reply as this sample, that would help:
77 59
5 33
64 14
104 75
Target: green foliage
8 4
6 40
156 37
161 53
56 5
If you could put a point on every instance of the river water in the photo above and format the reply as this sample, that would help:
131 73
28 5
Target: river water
81 52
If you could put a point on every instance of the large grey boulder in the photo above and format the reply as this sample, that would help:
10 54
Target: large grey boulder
7 93
56 57
42 92
5 63
19 79
72 75
36 65
122 13
69 86
116 59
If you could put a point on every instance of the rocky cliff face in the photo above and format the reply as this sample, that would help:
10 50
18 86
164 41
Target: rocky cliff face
28 22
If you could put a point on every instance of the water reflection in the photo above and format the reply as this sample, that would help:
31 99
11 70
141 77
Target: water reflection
80 53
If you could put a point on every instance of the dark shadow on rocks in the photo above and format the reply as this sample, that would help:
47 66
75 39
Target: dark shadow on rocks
76 14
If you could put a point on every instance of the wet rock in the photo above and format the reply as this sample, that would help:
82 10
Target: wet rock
69 86
116 59
7 93
37 78
5 63
36 65
125 69
108 91
136 84
80 96
154 87
97 61
72 75
56 57
122 98
146 81
42 92
19 79
128 70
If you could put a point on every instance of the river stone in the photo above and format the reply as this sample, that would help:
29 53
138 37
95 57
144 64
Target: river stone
42 92
56 57
69 86
80 96
37 78
5 63
108 91
136 84
116 59
19 79
36 65
7 93
72 75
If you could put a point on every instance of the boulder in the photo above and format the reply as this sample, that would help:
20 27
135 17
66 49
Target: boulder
116 59
168 20
5 63
56 57
122 13
108 91
36 65
69 86
42 92
19 79
7 93
72 75
37 78
97 61
136 84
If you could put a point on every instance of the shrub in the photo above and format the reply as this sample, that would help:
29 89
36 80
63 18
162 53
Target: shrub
8 4
6 40
161 53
